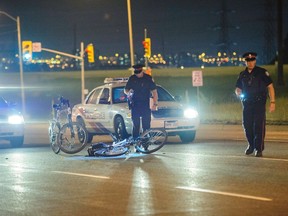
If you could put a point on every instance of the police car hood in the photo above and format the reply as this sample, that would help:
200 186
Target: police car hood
169 105
161 105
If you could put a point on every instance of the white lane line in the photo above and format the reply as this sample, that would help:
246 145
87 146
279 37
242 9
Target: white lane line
233 156
66 173
261 158
83 175
274 159
226 193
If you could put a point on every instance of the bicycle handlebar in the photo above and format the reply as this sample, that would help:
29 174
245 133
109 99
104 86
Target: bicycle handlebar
63 102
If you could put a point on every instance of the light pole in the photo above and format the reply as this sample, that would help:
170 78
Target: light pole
130 32
17 20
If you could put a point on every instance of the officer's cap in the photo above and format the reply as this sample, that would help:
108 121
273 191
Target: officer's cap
249 56
138 68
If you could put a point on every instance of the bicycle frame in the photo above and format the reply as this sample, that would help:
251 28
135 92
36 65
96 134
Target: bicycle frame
57 124
150 141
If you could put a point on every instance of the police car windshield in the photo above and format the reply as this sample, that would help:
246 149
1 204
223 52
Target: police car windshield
120 97
163 95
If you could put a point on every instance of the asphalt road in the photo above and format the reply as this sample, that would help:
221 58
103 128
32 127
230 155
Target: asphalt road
211 176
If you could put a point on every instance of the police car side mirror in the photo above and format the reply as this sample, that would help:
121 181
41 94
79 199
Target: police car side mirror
178 98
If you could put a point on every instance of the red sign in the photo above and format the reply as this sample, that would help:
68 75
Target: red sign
197 79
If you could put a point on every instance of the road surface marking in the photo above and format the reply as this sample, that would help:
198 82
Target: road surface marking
226 193
66 173
274 159
80 174
234 156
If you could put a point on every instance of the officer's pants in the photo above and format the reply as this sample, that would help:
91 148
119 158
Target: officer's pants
254 122
140 111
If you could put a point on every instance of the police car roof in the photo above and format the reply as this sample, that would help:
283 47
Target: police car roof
115 80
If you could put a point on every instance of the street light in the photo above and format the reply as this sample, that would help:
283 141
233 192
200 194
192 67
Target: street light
17 20
130 32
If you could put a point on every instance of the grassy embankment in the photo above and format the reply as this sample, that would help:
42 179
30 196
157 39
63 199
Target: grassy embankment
215 100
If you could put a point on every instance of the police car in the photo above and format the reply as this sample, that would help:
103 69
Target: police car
11 124
105 111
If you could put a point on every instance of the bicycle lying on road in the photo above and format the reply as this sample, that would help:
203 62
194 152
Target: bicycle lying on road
70 137
150 141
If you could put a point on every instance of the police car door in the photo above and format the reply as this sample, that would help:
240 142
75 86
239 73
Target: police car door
102 110
91 113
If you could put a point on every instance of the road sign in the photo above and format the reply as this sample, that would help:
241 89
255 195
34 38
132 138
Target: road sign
36 47
197 79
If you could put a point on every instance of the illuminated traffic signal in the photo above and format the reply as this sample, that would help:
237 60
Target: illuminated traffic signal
147 47
90 53
27 50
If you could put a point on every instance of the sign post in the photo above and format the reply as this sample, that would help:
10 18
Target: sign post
36 47
197 80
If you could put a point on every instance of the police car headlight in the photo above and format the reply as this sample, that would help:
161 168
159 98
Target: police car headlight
15 119
190 113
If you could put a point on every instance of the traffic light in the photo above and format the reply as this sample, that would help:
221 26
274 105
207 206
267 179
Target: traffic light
27 50
90 53
147 47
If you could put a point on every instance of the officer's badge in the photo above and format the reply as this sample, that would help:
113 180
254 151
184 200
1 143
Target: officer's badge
267 74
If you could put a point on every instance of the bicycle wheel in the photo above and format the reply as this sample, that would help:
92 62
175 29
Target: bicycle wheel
151 140
72 138
53 131
106 150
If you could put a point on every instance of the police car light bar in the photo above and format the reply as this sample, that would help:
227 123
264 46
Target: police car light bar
116 80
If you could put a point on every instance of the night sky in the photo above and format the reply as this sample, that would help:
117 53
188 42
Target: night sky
172 25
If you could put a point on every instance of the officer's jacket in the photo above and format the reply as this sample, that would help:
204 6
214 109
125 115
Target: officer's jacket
254 84
142 88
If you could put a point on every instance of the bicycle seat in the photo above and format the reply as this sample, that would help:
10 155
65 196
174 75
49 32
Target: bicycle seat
56 106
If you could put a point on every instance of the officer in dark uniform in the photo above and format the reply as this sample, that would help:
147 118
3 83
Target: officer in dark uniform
251 87
140 85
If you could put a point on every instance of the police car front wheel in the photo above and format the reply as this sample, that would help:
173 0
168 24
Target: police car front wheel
120 129
187 136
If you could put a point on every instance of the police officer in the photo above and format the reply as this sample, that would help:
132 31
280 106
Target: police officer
251 87
141 85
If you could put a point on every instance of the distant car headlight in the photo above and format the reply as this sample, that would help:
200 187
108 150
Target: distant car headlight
15 119
190 113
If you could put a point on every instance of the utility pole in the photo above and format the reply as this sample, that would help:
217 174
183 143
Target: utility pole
280 80
81 58
269 46
146 58
224 42
130 33
17 20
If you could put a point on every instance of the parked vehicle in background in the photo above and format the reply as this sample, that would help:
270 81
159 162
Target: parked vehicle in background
106 111
11 123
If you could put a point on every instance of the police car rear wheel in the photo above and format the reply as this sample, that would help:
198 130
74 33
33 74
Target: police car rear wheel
89 135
